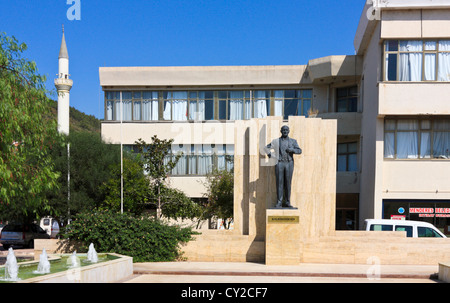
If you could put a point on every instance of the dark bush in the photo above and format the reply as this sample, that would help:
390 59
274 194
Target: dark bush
144 239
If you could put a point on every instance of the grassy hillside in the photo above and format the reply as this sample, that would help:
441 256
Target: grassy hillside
78 121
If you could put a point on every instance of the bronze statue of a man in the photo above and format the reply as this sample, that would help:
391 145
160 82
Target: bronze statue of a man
284 148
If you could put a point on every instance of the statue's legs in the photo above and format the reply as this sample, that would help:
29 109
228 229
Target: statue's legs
288 172
280 184
283 174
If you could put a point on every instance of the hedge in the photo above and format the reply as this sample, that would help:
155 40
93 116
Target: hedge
144 239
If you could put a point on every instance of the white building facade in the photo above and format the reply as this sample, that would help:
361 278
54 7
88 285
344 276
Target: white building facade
390 99
406 123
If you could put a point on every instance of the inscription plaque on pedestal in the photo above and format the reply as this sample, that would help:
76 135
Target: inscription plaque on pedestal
283 220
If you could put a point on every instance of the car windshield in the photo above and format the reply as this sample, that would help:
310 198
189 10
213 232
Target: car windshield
427 232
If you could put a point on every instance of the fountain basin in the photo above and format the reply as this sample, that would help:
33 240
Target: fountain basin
112 268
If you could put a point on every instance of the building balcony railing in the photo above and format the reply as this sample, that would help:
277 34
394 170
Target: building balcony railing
348 123
63 84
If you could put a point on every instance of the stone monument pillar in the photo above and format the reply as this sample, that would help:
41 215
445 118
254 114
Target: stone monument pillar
313 190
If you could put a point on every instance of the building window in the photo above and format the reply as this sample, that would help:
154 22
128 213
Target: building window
150 104
114 107
197 159
243 105
417 60
111 98
295 102
417 138
261 103
206 105
346 99
234 105
127 106
175 105
145 106
201 159
204 159
201 105
347 157
136 106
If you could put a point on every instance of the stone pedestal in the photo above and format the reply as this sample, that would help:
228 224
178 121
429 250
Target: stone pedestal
283 246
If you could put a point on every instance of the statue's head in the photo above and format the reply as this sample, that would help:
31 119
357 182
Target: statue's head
284 131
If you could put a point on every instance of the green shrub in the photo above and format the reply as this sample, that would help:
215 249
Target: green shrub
144 239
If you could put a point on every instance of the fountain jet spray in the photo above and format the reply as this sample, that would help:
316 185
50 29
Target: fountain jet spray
44 264
11 267
92 254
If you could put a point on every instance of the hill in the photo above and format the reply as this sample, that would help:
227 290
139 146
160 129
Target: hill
79 121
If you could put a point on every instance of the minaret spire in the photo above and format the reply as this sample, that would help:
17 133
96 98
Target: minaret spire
63 86
63 53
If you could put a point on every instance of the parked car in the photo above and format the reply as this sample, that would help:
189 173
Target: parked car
51 226
21 235
415 229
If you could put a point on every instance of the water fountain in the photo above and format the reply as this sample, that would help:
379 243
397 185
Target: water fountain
73 260
44 264
11 267
92 254
67 268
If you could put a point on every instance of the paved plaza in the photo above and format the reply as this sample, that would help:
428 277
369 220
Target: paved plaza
226 272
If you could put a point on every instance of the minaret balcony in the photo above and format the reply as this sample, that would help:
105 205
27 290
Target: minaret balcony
63 84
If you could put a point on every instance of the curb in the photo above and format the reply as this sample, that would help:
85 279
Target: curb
284 274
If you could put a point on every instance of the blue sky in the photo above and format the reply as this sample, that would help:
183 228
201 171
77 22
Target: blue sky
176 33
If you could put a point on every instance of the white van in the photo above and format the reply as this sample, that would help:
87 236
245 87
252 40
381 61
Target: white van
416 229
51 226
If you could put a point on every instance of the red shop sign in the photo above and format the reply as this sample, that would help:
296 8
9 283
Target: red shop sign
421 210
441 210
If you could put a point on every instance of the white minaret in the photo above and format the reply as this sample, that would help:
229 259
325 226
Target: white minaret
63 85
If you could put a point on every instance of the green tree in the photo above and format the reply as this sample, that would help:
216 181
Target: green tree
158 163
220 193
26 169
179 206
136 189
91 165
